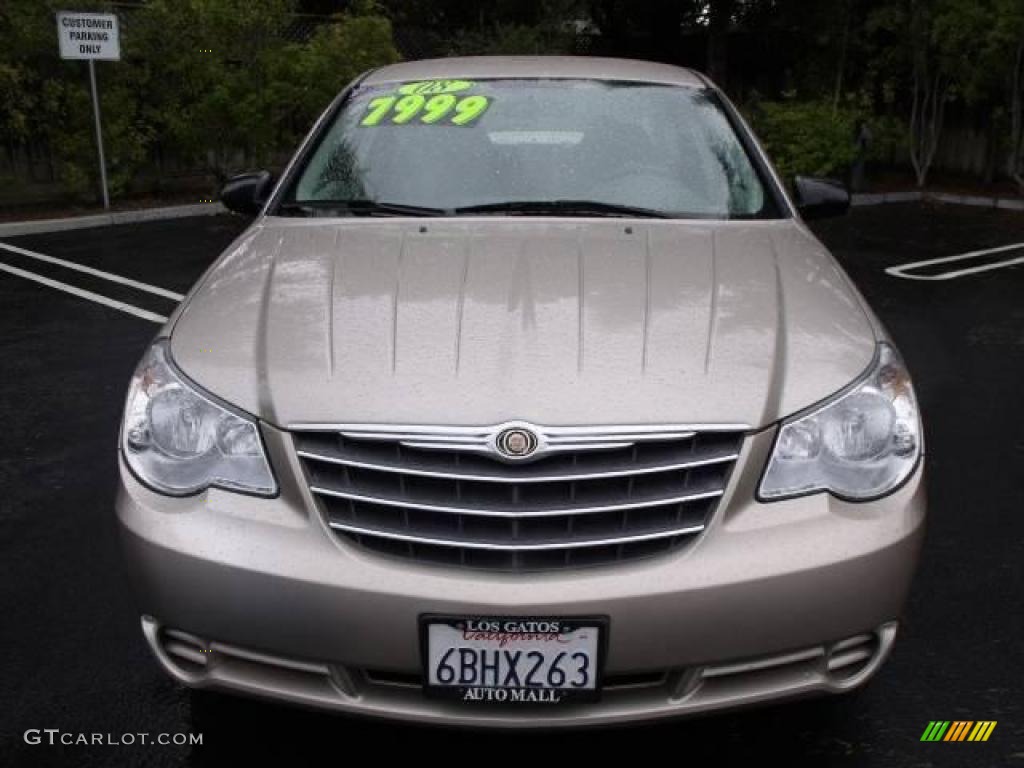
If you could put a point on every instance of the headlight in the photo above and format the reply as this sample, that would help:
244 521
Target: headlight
179 441
861 445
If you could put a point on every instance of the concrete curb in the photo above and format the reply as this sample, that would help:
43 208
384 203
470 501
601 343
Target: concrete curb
1005 203
107 219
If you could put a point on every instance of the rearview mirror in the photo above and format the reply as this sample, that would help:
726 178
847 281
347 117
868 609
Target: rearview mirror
246 194
820 198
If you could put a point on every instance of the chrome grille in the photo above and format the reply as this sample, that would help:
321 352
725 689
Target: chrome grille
591 497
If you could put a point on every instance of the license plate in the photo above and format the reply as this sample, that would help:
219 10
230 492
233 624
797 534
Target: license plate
513 660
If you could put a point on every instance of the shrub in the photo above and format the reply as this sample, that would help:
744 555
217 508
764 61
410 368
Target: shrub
889 144
514 40
807 137
305 78
215 82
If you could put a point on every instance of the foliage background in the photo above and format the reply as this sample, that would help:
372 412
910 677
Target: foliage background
210 87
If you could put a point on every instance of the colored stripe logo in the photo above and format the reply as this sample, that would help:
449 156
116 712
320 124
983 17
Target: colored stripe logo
958 730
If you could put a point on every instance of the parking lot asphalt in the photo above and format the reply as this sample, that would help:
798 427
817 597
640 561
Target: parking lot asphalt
73 657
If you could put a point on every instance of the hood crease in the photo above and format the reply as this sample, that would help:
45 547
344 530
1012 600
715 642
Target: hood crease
560 322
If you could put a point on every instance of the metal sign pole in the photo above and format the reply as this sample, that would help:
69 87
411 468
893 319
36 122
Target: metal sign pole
99 133
91 36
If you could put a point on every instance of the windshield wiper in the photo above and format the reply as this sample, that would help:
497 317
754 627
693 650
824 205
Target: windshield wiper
525 207
356 208
564 208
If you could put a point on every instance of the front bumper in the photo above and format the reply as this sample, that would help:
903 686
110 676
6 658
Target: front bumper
773 601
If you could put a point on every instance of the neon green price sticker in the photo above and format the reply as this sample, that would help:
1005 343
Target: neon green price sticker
427 103
429 87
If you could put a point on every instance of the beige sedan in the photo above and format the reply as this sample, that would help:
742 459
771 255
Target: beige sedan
528 399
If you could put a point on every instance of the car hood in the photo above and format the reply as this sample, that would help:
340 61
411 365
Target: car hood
552 321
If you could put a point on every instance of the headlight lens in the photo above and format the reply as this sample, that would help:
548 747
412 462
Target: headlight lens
861 445
179 441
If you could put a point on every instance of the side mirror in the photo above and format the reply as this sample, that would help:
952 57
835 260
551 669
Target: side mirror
247 193
820 198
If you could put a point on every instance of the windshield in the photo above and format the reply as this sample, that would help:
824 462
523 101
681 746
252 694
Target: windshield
444 145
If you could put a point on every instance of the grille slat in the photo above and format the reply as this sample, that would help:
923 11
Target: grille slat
498 477
603 500
513 511
515 546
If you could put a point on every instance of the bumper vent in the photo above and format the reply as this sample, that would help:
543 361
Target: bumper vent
187 650
848 657
607 497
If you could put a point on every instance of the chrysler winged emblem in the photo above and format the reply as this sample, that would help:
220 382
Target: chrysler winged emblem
516 442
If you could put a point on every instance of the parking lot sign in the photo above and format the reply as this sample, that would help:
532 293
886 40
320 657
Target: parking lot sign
88 36
91 36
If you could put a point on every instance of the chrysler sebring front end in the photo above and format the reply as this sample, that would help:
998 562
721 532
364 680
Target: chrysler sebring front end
527 399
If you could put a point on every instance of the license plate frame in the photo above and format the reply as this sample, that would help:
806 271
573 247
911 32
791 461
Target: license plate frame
459 692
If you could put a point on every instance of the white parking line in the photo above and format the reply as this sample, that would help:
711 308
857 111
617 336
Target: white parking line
901 269
95 272
131 310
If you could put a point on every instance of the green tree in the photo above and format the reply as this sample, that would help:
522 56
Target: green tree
50 104
811 138
202 73
213 82
224 86
304 78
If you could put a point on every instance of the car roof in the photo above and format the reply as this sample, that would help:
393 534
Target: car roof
559 67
